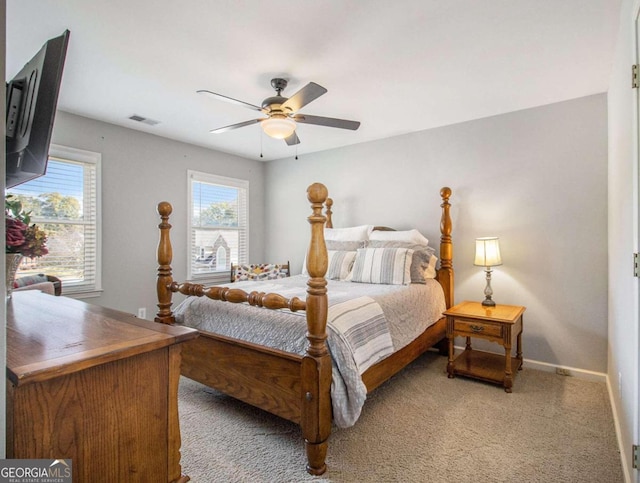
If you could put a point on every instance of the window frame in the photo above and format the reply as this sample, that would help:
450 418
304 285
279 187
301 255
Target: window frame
73 155
201 177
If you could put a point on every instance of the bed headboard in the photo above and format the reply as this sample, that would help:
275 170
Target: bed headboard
445 272
166 285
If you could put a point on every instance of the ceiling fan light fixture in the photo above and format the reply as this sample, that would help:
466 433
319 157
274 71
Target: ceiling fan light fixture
278 126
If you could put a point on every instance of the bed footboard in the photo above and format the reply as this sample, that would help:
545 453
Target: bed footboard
263 377
302 385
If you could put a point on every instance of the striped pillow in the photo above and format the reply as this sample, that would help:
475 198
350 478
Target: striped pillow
391 266
340 263
423 258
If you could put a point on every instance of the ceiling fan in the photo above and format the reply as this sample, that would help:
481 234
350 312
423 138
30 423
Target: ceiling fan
282 112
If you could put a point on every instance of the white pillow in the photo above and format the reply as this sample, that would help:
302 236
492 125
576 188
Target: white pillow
391 266
347 246
354 233
340 264
409 236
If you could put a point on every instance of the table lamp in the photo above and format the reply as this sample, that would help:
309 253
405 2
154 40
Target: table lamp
487 256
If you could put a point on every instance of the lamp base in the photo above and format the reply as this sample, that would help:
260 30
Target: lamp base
488 292
488 302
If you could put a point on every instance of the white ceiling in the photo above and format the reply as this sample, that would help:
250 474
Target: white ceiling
397 66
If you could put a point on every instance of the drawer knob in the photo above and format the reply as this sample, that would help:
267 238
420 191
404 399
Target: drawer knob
477 328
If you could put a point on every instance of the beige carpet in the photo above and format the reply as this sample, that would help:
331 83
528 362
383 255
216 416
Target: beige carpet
418 427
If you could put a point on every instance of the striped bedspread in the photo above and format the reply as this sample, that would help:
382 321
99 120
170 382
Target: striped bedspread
362 326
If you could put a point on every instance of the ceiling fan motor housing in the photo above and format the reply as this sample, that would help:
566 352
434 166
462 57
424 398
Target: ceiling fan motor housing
272 104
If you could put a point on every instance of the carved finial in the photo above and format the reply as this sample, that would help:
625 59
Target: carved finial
445 193
164 208
317 193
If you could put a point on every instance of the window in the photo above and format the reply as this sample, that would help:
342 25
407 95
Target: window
65 204
218 217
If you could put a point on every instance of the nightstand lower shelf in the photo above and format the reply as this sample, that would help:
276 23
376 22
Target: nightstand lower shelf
484 365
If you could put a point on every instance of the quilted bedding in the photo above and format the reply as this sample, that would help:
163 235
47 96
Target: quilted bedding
366 323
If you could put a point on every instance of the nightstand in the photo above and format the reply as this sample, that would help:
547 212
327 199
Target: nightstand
500 324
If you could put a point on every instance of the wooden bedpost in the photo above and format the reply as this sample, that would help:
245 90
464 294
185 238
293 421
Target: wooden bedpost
316 365
165 255
328 204
445 273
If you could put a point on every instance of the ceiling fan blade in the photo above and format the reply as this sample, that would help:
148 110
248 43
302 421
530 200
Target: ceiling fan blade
304 96
220 97
235 126
327 121
293 139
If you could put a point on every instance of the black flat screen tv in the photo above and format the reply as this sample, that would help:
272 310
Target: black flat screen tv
32 99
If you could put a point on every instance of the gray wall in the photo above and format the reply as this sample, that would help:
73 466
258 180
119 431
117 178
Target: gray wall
535 178
623 239
138 171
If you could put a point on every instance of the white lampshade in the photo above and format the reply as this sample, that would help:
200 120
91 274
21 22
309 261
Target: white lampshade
487 252
278 126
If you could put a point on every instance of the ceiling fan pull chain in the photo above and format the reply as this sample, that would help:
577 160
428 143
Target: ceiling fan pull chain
261 143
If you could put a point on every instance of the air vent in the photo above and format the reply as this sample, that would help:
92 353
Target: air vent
143 120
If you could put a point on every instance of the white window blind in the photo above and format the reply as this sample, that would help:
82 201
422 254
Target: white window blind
65 204
218 220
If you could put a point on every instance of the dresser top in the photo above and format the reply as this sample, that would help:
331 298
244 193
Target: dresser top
50 336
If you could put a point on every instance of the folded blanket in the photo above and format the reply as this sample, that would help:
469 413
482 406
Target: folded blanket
361 325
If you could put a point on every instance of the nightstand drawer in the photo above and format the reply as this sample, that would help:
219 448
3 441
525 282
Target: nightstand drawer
476 328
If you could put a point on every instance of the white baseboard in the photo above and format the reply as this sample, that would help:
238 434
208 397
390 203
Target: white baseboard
616 423
566 371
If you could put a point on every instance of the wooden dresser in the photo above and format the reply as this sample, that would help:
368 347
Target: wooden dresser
94 385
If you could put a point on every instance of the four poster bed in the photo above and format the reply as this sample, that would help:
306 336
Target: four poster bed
294 380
